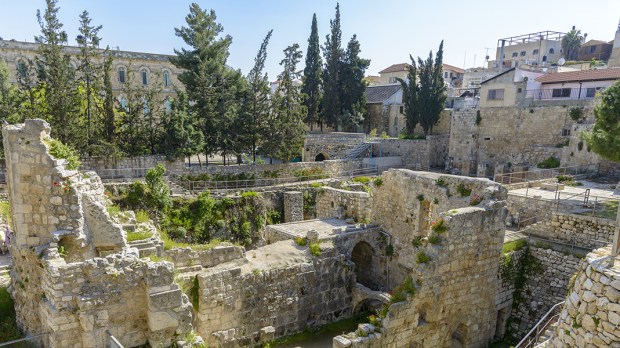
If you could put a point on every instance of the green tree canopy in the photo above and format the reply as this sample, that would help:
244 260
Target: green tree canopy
313 78
571 42
331 75
605 137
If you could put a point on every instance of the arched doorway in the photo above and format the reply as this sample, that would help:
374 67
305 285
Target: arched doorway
320 158
368 305
363 256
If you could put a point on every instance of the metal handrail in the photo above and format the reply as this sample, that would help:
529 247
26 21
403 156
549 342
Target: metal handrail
28 338
114 343
541 174
540 326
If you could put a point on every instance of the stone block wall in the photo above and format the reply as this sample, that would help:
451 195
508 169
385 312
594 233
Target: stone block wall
418 153
584 231
237 304
332 145
456 282
342 204
61 282
546 285
293 206
590 316
530 210
186 257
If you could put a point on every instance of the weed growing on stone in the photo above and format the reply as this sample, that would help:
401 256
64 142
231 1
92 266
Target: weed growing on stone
463 190
256 271
301 241
439 226
113 210
315 249
361 179
59 150
421 257
514 246
142 216
475 199
550 162
416 242
420 197
378 181
441 182
5 212
434 239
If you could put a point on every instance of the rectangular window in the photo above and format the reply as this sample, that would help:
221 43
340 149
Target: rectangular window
535 52
566 132
592 49
445 74
496 94
590 92
560 93
402 110
393 80
515 54
522 53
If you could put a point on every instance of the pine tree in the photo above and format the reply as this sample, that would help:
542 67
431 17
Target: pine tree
604 139
180 138
57 78
352 86
410 98
90 77
258 97
432 91
204 70
312 79
287 132
331 76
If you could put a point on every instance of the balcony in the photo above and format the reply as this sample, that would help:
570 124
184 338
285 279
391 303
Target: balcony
562 93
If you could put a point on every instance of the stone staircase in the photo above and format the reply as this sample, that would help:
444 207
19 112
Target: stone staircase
357 151
5 277
146 247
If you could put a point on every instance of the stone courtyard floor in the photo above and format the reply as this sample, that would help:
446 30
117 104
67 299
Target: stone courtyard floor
325 227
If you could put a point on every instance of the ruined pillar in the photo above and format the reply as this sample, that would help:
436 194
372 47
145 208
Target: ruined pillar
293 206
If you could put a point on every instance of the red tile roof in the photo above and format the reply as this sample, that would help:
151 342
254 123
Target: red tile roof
405 66
395 68
584 75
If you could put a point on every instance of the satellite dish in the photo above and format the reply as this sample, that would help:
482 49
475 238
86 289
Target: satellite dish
561 61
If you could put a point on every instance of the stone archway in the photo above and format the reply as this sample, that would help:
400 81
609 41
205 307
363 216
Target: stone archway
320 157
367 305
363 255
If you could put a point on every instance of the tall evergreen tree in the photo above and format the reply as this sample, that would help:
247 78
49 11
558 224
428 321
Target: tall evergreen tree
109 115
286 132
410 98
258 97
352 86
90 77
180 138
312 79
204 69
432 90
331 76
57 76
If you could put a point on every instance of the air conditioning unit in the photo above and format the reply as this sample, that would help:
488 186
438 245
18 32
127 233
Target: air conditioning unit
525 79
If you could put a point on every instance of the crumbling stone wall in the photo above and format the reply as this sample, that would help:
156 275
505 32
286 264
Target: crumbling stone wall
187 257
293 206
455 285
342 204
526 211
584 231
418 153
591 314
239 306
74 275
332 145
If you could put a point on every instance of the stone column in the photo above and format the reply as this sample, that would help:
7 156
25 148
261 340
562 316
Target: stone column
293 206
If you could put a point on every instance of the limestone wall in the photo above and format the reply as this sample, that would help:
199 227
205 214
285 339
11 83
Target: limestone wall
186 257
547 278
529 210
584 231
591 313
332 145
130 167
419 153
343 204
237 305
516 135
454 276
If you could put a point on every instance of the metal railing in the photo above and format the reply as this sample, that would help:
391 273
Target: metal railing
541 174
25 342
122 173
541 326
197 186
561 94
112 341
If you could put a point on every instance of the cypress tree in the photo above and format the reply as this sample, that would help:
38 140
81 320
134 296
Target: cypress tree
331 75
312 78
410 98
352 86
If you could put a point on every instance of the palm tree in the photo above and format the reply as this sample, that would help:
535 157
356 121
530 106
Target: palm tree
571 42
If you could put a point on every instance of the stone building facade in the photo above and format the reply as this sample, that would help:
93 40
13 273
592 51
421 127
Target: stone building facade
136 68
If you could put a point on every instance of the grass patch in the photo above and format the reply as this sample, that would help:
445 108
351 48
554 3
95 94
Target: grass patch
301 241
138 235
463 190
331 329
113 210
361 179
315 249
421 257
8 325
170 243
609 210
142 216
514 246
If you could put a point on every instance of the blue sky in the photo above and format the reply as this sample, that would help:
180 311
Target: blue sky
388 30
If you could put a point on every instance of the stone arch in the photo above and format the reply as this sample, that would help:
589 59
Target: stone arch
369 304
364 257
320 157
459 337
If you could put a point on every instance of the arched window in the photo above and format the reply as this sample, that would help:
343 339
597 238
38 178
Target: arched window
121 75
551 51
167 106
166 78
22 69
145 76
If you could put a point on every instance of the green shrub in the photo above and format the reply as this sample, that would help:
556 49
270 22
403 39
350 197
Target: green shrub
514 246
378 181
478 118
249 194
361 179
580 145
8 324
441 182
421 257
417 241
439 226
434 239
420 197
142 216
301 241
412 136
158 192
135 194
463 190
61 151
177 232
5 212
315 249
273 217
550 162
113 210
575 113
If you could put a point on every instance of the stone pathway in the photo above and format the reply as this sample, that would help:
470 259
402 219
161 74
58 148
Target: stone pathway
5 264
